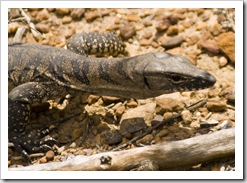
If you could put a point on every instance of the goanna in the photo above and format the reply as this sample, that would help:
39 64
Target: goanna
38 73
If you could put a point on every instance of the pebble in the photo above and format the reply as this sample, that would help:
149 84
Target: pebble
186 116
49 155
42 15
132 125
127 31
156 120
132 103
210 46
172 30
226 43
145 42
163 133
147 139
66 19
147 23
77 13
109 100
133 18
111 137
168 105
172 42
12 27
92 99
43 28
222 61
163 25
216 105
62 11
208 123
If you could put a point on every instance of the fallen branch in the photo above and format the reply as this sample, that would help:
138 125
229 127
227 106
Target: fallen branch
164 156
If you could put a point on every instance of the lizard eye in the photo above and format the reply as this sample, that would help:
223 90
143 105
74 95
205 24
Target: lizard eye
177 79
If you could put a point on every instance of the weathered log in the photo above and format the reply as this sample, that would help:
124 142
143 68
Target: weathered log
164 156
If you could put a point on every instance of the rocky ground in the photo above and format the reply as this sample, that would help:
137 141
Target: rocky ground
89 125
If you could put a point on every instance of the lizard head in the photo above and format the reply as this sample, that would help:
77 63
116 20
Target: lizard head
169 73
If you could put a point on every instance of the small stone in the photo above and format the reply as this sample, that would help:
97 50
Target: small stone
222 61
132 125
44 28
120 110
163 25
168 105
109 100
157 120
51 9
62 11
92 99
133 18
111 137
208 123
186 116
43 160
91 15
147 35
145 42
147 139
172 30
42 15
216 105
77 13
172 42
163 133
147 23
201 26
210 46
132 103
127 31
12 27
49 155
66 19
186 24
226 43
69 32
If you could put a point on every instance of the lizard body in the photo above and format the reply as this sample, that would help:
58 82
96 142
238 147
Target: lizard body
38 73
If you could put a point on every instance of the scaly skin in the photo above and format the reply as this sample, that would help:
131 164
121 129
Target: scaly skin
38 73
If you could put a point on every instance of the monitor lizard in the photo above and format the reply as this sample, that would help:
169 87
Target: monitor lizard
37 73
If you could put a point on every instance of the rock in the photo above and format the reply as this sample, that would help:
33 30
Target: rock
168 105
133 18
172 42
163 133
201 26
163 25
216 105
192 39
210 46
223 61
12 27
186 116
147 23
226 43
62 11
77 13
172 30
120 110
111 137
42 15
127 31
157 120
132 125
145 42
146 112
208 123
44 28
49 155
14 13
132 103
147 139
109 100
148 35
66 19
92 99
